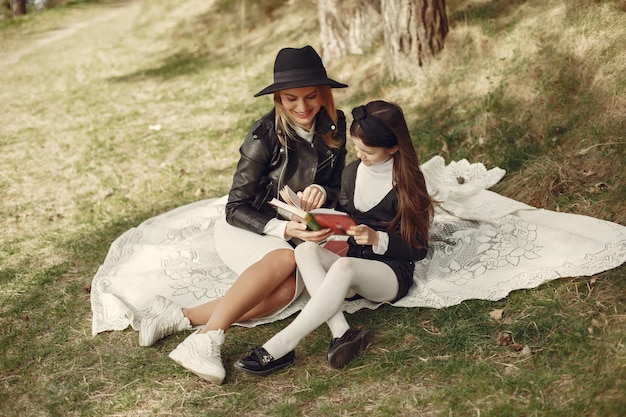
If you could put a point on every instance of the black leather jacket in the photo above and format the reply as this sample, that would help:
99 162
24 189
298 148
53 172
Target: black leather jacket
265 166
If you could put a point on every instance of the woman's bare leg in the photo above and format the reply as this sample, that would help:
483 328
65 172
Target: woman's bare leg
282 295
255 291
259 289
199 315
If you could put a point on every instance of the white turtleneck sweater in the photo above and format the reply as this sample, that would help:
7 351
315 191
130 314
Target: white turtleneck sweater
372 184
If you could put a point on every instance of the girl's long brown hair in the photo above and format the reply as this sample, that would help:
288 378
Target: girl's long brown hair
285 123
382 124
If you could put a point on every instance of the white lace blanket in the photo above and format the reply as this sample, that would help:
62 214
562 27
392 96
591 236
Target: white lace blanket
484 246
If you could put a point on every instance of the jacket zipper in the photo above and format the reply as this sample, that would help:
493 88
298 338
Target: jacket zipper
268 191
282 170
331 158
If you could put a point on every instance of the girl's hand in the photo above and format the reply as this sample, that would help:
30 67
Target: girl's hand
300 231
363 235
311 198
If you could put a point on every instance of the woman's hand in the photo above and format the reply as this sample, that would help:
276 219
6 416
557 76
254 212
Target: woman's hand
300 231
363 235
311 198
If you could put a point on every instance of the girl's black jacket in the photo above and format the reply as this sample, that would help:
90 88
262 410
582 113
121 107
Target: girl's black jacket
400 256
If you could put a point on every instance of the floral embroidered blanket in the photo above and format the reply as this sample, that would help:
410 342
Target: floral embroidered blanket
484 246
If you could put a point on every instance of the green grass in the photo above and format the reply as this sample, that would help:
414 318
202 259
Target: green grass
537 88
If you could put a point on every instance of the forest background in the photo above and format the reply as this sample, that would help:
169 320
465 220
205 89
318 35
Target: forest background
116 111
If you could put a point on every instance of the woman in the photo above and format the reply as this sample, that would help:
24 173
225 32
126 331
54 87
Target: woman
300 143
385 193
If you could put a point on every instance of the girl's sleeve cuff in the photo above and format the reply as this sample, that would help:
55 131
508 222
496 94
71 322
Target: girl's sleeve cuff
383 243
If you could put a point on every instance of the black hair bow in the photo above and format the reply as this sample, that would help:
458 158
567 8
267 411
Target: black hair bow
359 113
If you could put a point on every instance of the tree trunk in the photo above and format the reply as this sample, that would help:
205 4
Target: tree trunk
348 26
18 7
414 32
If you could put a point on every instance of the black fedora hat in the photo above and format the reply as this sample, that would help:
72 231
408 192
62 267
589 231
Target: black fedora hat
298 67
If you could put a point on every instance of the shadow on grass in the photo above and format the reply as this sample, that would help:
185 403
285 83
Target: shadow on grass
569 104
178 64
208 41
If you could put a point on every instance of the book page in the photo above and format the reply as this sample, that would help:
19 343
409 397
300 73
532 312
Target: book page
287 207
324 210
290 196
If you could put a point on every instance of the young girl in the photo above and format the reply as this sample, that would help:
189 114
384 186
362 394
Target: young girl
301 142
385 193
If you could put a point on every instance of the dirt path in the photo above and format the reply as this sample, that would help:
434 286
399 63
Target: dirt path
65 115
44 66
105 16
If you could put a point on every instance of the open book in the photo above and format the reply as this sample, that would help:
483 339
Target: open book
317 219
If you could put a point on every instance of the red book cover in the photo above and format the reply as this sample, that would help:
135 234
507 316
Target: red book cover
340 247
338 222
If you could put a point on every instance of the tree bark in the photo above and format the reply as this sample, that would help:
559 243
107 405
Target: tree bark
348 26
414 32
18 7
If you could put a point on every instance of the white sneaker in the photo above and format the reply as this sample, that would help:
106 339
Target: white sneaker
163 319
200 353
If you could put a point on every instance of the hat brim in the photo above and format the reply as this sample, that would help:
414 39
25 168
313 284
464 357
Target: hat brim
299 83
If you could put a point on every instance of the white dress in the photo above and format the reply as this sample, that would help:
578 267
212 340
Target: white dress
484 246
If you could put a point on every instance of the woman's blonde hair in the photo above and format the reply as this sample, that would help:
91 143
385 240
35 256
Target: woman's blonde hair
285 123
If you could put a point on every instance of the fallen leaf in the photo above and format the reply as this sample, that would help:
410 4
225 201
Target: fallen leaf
505 339
496 314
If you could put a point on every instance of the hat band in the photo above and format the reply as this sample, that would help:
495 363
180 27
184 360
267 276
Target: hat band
298 75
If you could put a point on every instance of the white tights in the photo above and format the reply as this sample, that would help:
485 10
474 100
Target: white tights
329 279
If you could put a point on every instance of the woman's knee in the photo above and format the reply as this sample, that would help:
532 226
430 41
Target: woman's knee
281 259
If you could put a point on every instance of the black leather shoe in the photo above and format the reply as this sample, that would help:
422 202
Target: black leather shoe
345 348
259 362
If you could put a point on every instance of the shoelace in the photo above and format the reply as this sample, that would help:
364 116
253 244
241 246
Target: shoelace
212 348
